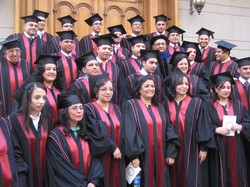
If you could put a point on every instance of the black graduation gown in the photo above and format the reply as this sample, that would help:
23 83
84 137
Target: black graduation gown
11 78
12 167
130 66
70 162
82 83
147 136
46 37
164 67
228 167
207 57
87 44
217 67
116 57
29 51
112 128
69 68
33 146
189 120
171 50
53 46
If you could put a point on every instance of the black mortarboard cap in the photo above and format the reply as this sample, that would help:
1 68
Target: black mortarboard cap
72 97
30 18
47 59
205 32
92 82
39 13
146 54
177 56
92 19
225 45
222 77
10 43
67 19
136 18
187 44
175 29
137 39
161 17
104 40
117 28
66 35
153 39
23 88
243 62
82 60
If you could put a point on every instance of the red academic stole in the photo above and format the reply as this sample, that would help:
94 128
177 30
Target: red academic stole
114 56
135 65
4 160
30 50
152 126
242 94
52 102
107 69
75 152
229 144
69 78
117 134
15 70
178 119
93 44
205 54
224 67
34 151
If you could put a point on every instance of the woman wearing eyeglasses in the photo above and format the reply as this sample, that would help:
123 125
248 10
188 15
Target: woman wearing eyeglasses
70 161
107 116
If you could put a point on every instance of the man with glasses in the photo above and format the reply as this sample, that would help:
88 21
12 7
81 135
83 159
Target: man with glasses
31 45
86 43
13 71
67 25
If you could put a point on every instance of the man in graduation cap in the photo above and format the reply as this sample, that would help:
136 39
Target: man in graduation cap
104 47
136 28
67 61
133 63
223 62
196 68
45 36
31 44
205 54
86 43
88 66
149 66
174 33
160 43
67 24
13 71
160 26
119 53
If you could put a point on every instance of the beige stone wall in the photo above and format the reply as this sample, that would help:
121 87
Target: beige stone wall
229 19
6 18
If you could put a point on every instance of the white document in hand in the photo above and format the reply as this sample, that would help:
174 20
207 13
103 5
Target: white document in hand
131 172
228 121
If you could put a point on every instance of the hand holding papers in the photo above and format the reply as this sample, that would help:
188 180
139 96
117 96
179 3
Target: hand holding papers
131 172
228 122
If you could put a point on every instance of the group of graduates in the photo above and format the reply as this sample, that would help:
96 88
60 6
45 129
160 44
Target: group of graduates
76 113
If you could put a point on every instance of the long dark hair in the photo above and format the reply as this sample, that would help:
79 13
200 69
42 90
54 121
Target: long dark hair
26 106
215 96
58 82
63 120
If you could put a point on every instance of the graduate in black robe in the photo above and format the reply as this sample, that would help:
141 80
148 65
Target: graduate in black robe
86 42
31 126
89 67
13 169
189 119
205 54
228 163
107 116
53 45
31 44
52 78
69 158
13 71
150 141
